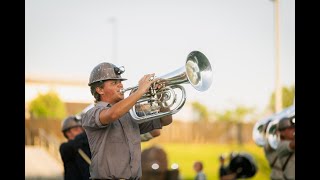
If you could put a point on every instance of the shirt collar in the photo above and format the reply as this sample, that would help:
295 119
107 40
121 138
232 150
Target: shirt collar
103 104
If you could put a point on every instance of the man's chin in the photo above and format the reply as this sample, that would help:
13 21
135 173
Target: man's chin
121 97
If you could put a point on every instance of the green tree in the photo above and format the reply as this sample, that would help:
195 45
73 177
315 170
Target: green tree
241 112
227 115
201 110
236 116
47 105
288 94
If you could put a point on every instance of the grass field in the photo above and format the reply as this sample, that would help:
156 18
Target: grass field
186 154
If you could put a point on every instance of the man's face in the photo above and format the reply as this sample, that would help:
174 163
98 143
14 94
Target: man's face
112 90
197 167
222 161
73 132
287 134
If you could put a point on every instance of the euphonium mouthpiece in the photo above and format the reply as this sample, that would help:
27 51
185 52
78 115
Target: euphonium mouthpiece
122 91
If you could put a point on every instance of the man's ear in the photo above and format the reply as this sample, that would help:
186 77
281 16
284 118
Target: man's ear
99 90
68 133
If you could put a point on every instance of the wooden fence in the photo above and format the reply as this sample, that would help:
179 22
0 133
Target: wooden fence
178 131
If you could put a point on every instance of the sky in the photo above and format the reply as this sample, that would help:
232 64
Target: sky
67 39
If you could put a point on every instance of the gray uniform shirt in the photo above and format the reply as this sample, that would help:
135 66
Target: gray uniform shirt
115 147
284 152
200 176
274 161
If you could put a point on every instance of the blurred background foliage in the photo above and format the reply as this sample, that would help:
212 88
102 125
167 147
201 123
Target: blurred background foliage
48 105
288 93
201 111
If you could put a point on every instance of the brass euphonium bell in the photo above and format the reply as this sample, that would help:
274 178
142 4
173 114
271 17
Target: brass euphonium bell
259 131
197 71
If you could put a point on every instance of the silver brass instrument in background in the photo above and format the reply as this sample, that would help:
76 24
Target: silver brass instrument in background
272 135
197 71
265 130
259 131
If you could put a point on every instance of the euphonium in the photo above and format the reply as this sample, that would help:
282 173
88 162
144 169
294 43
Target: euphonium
259 131
197 71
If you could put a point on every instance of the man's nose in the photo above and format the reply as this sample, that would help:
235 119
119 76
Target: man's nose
120 85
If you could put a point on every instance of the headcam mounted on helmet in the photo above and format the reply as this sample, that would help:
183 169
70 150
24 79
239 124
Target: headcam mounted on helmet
119 70
286 122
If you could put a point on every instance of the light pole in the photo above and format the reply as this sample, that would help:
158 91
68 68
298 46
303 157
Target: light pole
113 21
278 89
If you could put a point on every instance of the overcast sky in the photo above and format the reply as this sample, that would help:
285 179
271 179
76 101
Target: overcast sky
67 38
